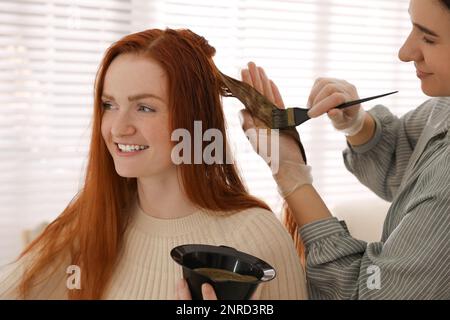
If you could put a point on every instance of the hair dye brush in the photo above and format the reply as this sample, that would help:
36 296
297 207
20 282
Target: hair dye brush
292 117
257 104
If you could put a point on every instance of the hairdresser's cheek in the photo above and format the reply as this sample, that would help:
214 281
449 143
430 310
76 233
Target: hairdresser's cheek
445 76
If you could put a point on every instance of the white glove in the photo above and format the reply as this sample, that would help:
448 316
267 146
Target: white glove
280 152
292 176
350 122
326 94
285 161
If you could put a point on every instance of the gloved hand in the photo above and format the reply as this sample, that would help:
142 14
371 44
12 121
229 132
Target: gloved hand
326 94
288 166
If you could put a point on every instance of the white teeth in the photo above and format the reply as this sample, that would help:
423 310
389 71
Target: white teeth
131 147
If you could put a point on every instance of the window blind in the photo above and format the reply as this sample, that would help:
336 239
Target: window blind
50 50
49 53
297 41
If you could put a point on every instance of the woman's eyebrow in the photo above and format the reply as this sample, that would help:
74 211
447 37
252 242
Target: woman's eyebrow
134 97
425 30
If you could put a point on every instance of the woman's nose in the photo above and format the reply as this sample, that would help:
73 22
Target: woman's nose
410 51
122 126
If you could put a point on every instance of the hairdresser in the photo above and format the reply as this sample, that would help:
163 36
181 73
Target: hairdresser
405 161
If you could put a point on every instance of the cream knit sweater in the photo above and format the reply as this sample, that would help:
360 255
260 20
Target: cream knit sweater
146 270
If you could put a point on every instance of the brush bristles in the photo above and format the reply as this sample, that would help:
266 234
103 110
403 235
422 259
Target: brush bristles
283 118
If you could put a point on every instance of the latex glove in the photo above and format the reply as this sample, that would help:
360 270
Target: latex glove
288 166
326 94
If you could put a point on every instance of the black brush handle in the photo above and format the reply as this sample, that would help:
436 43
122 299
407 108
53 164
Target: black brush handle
352 103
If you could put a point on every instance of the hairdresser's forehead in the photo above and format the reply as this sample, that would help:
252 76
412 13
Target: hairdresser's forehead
432 15
130 74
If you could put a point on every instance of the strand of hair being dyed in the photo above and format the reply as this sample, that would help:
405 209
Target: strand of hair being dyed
261 107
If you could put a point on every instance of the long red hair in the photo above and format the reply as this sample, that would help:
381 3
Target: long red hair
90 230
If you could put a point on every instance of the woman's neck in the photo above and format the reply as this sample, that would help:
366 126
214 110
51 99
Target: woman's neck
162 197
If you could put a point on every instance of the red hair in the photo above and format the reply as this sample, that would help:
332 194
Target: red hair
90 230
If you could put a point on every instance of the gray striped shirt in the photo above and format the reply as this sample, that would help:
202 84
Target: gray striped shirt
407 162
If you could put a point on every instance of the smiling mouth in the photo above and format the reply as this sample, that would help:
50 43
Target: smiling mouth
129 149
422 74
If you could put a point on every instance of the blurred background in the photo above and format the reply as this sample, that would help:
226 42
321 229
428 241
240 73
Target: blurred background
50 51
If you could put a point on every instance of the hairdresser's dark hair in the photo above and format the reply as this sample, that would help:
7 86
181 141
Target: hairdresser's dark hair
446 3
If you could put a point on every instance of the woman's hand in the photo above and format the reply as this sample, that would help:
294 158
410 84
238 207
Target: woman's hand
183 293
208 293
290 171
288 148
326 94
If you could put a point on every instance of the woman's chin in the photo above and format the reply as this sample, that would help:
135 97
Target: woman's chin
139 171
124 173
127 175
432 90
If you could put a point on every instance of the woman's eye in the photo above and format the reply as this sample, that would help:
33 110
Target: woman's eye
106 105
146 109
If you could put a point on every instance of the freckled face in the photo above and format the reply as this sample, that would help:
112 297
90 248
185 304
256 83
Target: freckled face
135 113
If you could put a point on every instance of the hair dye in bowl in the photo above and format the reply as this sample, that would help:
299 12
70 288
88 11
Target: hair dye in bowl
233 274
225 275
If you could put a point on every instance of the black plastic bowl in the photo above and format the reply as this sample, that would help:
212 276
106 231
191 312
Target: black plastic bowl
193 256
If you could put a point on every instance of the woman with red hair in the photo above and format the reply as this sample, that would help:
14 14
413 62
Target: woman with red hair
137 203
